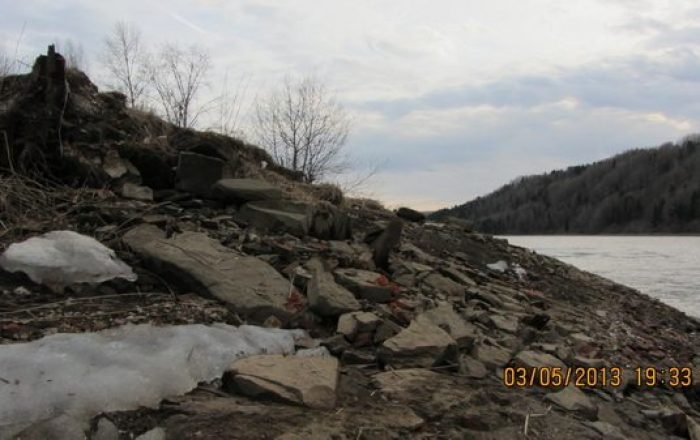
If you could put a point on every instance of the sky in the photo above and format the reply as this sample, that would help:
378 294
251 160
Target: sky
450 99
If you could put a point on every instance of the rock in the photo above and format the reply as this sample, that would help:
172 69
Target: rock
445 317
278 216
137 192
245 190
353 356
606 430
153 434
252 287
350 324
537 320
473 368
62 427
197 173
693 429
536 359
329 223
457 276
308 381
328 298
105 430
399 383
444 285
422 344
507 324
367 285
410 214
492 356
384 241
474 421
399 417
574 400
386 330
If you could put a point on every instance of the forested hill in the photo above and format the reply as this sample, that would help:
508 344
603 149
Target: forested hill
639 191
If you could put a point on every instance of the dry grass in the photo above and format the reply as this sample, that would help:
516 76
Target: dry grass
27 205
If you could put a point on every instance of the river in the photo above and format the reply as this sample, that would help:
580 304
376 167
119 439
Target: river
665 267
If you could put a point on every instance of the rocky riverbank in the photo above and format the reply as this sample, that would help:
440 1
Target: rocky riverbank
415 328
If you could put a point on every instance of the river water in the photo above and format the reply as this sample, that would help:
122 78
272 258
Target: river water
665 267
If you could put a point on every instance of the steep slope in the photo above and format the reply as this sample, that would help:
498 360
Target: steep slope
642 190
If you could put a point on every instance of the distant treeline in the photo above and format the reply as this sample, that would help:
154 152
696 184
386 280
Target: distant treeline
639 191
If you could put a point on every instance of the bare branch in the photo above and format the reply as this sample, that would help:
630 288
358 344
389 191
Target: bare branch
127 61
303 128
177 75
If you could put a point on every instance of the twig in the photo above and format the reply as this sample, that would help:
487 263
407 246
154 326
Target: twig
71 300
529 415
8 152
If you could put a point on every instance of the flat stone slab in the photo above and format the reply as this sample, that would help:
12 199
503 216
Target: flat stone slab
252 287
245 190
574 400
422 344
308 381
365 284
279 216
445 317
537 359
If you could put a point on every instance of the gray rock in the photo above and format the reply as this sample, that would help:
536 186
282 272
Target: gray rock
445 317
693 429
536 359
607 431
137 192
457 276
153 434
574 400
350 324
329 223
505 323
105 430
245 190
328 298
252 287
444 285
384 241
197 173
386 330
471 367
422 344
410 214
308 381
365 284
279 216
493 356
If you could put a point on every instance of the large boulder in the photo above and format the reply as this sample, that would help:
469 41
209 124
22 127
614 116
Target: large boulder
308 381
249 285
245 190
422 344
197 173
410 214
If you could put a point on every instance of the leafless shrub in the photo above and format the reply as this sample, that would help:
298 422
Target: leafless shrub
177 76
126 59
304 128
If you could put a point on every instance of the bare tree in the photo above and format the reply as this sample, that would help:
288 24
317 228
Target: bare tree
5 63
228 106
177 75
304 128
127 61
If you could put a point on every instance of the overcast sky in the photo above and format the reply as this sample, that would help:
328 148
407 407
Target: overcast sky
453 98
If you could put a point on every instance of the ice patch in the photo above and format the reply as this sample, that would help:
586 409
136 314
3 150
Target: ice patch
62 258
84 374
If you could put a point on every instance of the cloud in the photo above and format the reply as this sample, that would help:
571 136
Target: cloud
457 98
